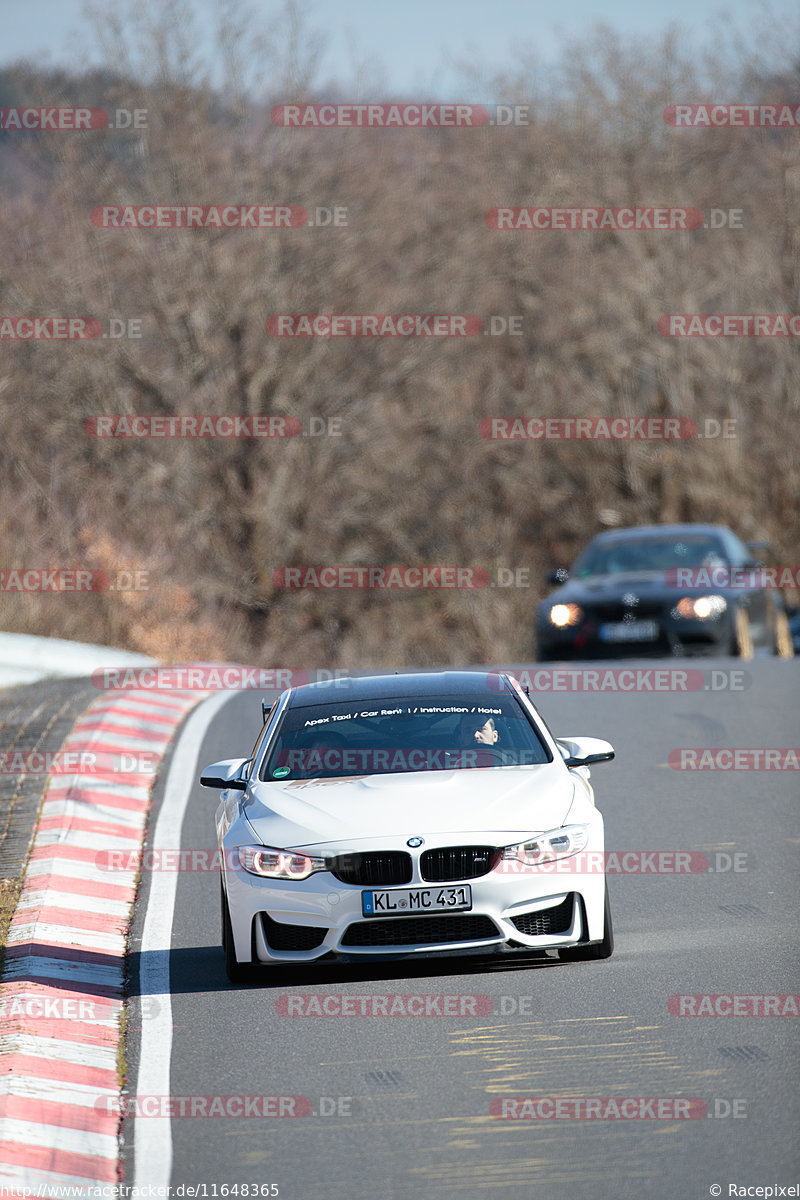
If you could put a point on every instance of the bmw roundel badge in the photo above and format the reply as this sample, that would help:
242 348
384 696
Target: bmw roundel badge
414 842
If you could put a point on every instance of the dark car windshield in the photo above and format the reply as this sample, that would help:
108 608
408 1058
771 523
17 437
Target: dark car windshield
649 554
379 737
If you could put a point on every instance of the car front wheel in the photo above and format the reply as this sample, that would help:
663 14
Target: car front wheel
596 950
237 972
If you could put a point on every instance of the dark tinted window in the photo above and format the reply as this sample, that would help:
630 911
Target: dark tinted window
650 554
435 733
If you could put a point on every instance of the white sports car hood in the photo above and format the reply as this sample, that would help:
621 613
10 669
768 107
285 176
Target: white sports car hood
497 804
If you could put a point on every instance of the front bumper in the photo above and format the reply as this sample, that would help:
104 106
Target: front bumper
675 635
513 908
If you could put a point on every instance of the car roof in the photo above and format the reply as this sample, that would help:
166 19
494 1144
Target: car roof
645 531
388 687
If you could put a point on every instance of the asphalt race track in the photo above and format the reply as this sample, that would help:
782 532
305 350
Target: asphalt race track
400 1106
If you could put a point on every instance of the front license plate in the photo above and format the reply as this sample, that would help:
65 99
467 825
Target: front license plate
629 631
400 902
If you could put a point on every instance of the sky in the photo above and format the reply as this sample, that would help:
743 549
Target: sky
411 44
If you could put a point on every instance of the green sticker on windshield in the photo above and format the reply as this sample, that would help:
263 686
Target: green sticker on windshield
282 772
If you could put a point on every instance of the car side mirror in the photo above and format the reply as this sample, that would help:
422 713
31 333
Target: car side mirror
583 751
225 774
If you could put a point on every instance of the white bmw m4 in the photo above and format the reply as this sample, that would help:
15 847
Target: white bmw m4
402 815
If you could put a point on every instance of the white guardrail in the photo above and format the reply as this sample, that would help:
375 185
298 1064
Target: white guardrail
25 658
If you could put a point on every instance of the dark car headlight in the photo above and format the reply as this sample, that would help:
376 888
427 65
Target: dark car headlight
700 608
563 615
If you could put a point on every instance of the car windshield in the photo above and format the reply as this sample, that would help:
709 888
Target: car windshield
649 554
379 737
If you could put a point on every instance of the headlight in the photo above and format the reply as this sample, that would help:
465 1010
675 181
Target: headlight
565 614
278 864
558 843
701 607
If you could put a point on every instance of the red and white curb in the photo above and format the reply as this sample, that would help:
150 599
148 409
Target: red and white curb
62 990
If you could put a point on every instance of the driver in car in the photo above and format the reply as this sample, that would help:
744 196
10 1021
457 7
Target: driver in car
472 732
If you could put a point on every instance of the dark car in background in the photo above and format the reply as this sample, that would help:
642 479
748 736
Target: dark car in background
661 590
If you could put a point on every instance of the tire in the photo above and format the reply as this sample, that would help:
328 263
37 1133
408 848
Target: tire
742 639
784 647
596 950
236 971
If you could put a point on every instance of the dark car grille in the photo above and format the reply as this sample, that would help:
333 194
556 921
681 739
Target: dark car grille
280 936
376 869
547 920
615 610
407 931
456 862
